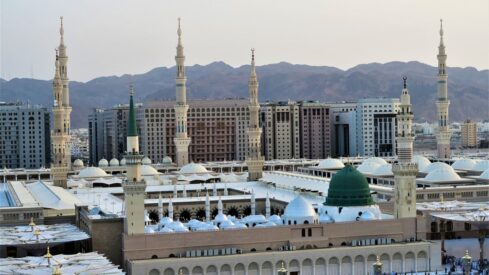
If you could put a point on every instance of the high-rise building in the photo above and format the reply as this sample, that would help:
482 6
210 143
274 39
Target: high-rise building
254 159
443 133
60 135
181 139
315 130
468 134
405 170
25 139
107 131
344 129
134 186
281 130
376 126
218 130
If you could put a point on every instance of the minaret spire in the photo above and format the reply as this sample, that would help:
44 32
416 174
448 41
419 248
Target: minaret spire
405 170
134 186
61 31
443 133
254 159
181 140
60 137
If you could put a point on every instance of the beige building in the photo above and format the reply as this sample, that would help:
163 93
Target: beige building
468 134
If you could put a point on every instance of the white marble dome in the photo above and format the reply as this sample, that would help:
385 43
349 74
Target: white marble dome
349 213
103 163
78 163
92 172
421 161
299 211
114 162
377 160
146 161
442 174
464 164
123 162
148 170
368 167
384 170
485 175
275 219
193 168
167 160
435 166
330 163
481 165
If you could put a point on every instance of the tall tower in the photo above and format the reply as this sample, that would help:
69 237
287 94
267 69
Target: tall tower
443 133
134 187
254 160
405 170
182 141
61 149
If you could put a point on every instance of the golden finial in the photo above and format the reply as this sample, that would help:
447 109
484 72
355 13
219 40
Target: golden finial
48 253
378 262
57 271
37 232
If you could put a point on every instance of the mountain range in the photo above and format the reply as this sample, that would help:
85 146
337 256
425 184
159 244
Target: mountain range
468 88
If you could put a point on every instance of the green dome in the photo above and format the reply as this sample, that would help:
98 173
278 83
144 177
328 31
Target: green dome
348 187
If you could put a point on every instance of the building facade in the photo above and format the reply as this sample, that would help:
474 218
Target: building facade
315 130
281 130
344 129
218 130
468 134
376 126
25 139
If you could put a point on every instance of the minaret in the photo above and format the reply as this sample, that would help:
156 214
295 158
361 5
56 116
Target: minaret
443 133
254 160
253 204
61 149
405 170
160 208
170 209
182 141
134 186
267 207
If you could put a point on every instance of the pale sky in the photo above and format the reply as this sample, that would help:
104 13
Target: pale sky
114 37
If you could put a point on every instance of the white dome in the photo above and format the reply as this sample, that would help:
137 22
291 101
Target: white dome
330 164
123 162
421 161
193 168
350 213
146 161
167 160
267 224
103 163
368 167
299 211
254 219
114 162
220 218
435 166
485 175
165 221
482 165
442 174
464 164
384 170
177 226
78 163
325 218
166 230
148 170
149 230
227 224
92 172
367 216
275 219
377 160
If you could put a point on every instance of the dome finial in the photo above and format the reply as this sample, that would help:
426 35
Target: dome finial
179 30
441 32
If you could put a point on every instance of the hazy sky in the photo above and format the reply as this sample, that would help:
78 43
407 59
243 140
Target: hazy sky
114 37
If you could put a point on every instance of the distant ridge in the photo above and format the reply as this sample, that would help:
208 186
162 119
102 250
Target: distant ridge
468 87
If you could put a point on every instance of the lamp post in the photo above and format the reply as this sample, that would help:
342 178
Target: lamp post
282 270
377 266
467 262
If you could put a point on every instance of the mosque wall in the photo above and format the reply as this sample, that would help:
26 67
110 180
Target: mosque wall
420 256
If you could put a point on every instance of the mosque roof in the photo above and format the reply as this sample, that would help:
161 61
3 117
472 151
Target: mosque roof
421 161
114 162
442 174
78 163
103 163
148 170
464 164
485 175
481 165
298 208
348 187
436 165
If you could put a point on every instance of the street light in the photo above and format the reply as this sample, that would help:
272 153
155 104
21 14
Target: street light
467 262
282 270
378 266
